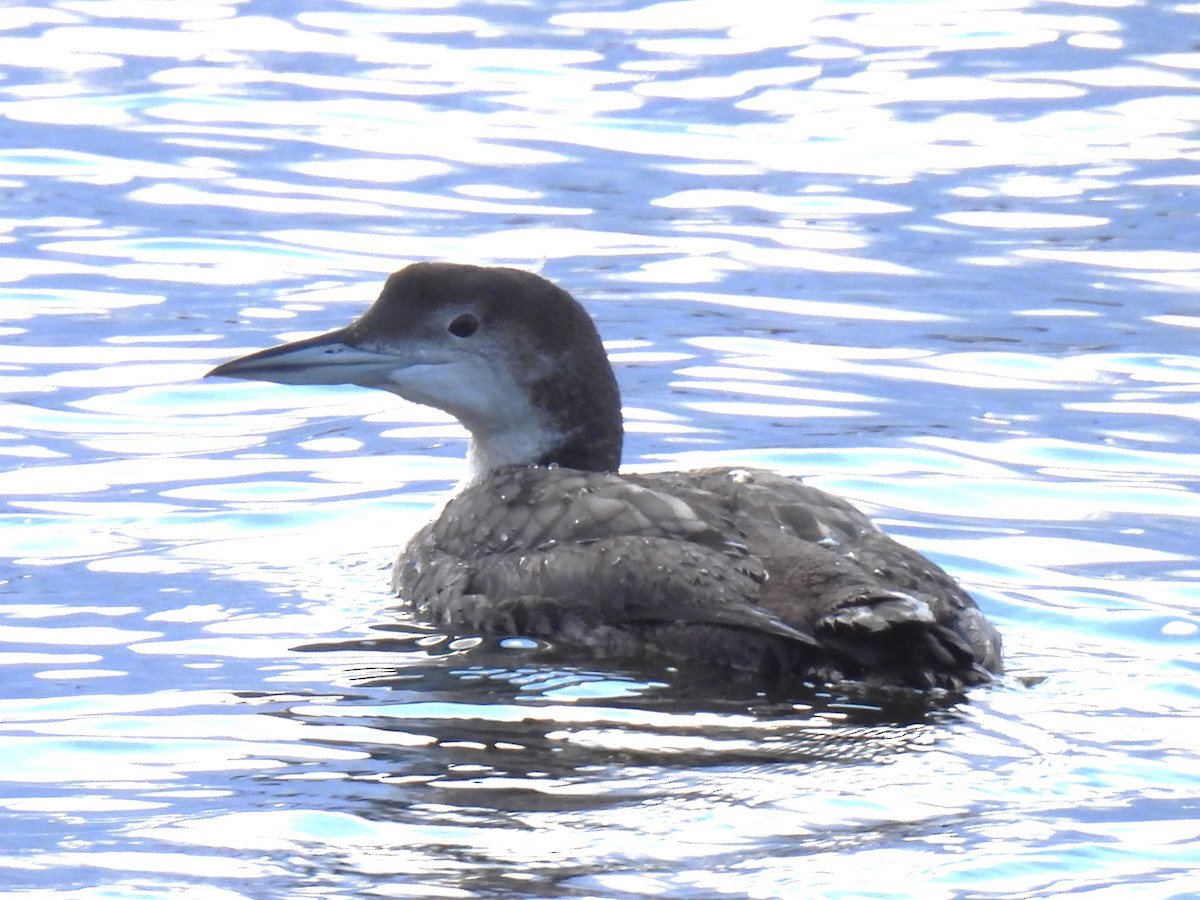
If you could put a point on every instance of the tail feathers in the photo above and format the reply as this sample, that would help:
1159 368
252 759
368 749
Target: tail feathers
895 637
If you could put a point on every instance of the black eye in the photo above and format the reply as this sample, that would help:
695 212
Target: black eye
464 326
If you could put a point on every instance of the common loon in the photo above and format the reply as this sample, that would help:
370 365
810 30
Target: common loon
729 567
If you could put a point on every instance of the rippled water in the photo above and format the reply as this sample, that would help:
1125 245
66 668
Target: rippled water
940 257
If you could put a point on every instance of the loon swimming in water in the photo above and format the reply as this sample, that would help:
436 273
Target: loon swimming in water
732 567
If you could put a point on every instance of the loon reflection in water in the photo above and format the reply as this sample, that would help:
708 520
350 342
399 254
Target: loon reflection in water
731 567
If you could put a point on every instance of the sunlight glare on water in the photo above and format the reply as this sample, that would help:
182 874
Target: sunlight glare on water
938 257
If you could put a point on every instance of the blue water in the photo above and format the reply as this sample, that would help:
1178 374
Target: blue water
942 258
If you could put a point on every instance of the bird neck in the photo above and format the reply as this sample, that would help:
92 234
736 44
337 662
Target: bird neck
576 423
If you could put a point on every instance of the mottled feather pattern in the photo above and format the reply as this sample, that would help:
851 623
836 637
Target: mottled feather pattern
765 572
723 567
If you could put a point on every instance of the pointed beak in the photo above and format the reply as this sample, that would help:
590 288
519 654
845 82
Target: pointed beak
331 358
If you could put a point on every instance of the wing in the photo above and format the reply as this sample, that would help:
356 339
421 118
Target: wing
833 574
593 560
615 596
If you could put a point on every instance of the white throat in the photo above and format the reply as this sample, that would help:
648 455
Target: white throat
491 399
522 444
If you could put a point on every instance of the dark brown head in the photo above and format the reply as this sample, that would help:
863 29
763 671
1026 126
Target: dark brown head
509 354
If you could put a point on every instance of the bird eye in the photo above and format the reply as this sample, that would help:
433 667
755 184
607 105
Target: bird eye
463 326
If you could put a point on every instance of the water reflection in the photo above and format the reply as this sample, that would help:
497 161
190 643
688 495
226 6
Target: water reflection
936 257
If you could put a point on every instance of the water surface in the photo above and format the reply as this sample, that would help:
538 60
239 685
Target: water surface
938 257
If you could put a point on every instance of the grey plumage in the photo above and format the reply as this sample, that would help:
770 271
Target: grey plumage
739 568
736 567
